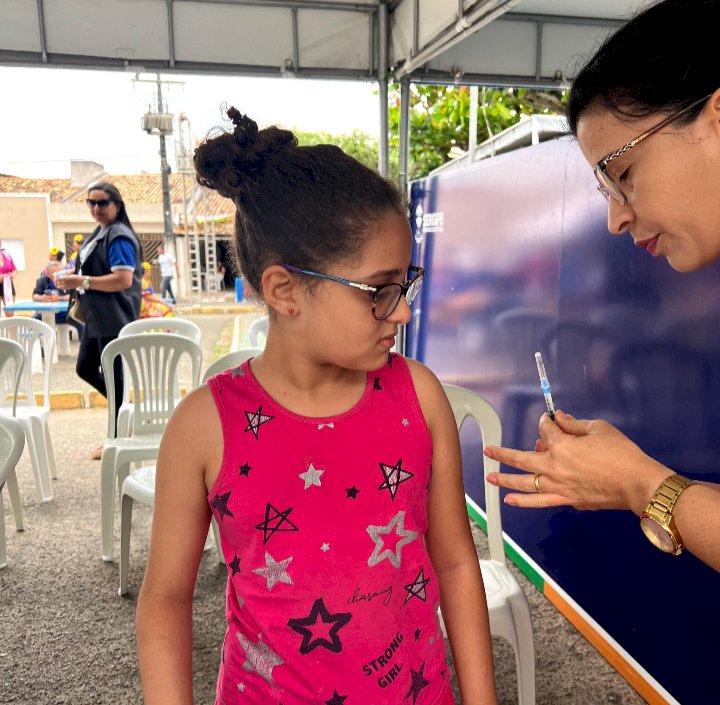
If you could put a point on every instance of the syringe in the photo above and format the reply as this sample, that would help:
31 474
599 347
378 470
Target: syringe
545 386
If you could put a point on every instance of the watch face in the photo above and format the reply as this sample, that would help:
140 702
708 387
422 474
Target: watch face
657 535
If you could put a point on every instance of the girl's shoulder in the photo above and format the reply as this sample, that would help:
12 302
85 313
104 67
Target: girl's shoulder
428 389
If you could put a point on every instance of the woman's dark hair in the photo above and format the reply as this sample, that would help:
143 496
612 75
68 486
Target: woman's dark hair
114 195
305 206
661 61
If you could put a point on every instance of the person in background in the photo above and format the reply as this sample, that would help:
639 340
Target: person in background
168 269
646 113
330 438
8 270
109 274
152 306
46 290
76 245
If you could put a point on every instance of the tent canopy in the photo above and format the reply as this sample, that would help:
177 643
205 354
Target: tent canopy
501 42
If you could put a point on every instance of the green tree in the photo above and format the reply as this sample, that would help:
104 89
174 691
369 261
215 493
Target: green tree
357 144
440 119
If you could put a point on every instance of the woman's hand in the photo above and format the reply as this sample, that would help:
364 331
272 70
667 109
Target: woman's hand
67 281
584 464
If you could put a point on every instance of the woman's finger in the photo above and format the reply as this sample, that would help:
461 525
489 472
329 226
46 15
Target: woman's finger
520 459
537 501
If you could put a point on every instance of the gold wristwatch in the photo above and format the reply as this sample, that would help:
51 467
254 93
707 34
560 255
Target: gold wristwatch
657 521
86 282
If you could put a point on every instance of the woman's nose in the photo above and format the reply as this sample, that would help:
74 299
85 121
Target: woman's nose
620 218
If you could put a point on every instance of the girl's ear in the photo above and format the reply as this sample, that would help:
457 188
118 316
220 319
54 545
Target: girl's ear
280 291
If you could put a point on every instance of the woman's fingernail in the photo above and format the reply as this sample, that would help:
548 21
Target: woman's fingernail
510 500
492 479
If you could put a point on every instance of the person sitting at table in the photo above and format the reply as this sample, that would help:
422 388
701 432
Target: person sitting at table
76 245
152 306
46 290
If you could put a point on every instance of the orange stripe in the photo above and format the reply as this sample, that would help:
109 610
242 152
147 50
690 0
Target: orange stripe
625 669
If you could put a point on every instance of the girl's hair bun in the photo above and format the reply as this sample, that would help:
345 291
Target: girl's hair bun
229 160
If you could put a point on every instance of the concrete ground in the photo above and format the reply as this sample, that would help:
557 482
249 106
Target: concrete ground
68 638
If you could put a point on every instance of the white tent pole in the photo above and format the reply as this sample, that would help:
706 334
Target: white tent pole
383 161
403 162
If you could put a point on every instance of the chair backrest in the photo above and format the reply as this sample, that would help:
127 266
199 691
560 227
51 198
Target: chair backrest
229 360
257 328
10 375
151 371
30 332
466 404
12 443
177 326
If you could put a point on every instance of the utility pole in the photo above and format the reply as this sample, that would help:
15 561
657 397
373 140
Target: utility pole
165 174
160 123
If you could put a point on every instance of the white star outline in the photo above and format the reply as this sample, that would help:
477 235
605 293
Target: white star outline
375 532
311 477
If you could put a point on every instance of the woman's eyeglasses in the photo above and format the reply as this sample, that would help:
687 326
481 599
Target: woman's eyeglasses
385 297
100 202
606 185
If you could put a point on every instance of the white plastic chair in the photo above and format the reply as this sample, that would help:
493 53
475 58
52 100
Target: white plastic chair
151 370
12 442
508 607
29 332
257 328
230 360
178 326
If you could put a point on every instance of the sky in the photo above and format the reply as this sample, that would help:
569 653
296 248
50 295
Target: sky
51 116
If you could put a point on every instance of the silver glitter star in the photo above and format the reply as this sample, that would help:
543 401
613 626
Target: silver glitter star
405 422
375 532
275 571
238 372
321 426
241 687
259 658
325 547
311 477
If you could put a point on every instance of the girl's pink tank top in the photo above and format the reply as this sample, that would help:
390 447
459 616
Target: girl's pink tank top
331 596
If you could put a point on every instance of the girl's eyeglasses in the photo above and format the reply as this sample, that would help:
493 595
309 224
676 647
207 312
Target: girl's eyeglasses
385 297
100 203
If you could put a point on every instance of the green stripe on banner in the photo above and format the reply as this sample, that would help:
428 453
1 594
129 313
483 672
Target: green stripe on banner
530 573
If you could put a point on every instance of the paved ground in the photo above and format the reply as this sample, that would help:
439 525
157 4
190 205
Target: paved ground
68 638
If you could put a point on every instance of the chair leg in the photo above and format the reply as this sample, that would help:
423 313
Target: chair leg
218 545
44 491
107 501
50 452
14 494
525 655
126 508
3 554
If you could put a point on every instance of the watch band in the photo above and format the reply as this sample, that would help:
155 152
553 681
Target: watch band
86 282
660 508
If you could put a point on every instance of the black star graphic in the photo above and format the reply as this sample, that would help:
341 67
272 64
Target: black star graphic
244 470
235 565
416 634
255 420
279 517
220 505
443 673
376 384
394 475
351 492
320 611
417 587
391 357
336 699
418 683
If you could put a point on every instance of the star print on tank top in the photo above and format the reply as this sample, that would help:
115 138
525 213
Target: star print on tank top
331 596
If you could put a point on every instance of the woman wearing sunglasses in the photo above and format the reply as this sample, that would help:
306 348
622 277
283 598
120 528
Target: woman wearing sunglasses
646 113
108 272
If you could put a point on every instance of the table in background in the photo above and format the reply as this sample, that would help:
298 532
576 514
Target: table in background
47 310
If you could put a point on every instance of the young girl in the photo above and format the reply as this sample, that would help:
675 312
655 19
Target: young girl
331 465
